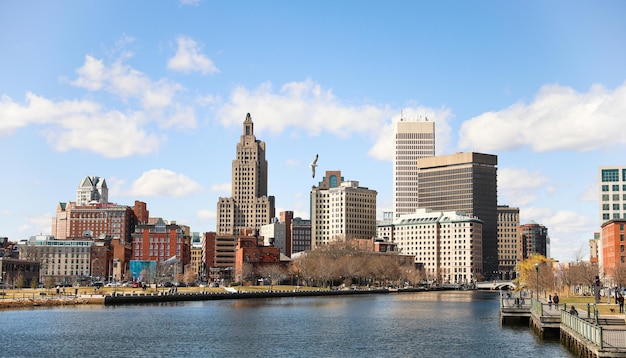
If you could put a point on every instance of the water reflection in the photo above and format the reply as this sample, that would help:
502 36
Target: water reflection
398 325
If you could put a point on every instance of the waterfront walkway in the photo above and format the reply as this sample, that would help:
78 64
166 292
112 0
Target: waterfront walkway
586 334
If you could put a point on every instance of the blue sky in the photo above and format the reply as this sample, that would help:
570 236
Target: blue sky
151 96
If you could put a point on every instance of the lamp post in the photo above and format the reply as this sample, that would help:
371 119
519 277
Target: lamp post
537 275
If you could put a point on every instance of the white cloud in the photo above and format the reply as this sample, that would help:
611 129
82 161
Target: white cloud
307 106
518 187
35 225
189 59
206 214
163 183
190 2
82 125
559 118
223 187
183 117
590 194
124 81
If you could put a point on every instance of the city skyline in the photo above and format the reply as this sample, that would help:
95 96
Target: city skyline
151 99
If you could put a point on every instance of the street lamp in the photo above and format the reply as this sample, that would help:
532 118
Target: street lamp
537 288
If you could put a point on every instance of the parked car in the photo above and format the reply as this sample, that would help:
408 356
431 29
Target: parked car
135 284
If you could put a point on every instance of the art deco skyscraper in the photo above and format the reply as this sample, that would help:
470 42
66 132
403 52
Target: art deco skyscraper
413 139
249 207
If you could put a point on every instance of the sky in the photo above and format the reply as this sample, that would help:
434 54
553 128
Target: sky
152 95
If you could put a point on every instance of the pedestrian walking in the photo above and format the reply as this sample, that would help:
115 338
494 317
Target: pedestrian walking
549 301
620 300
555 299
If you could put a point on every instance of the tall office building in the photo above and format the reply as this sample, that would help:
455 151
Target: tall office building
92 190
412 140
534 239
509 248
249 207
465 182
612 193
341 210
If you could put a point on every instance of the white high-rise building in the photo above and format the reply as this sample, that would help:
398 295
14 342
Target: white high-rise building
612 193
92 190
413 140
341 210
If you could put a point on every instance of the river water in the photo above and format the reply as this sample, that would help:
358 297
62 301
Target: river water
423 324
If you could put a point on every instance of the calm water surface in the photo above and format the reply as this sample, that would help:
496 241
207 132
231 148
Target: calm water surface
425 324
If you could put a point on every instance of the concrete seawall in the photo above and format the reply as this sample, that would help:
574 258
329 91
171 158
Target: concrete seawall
138 298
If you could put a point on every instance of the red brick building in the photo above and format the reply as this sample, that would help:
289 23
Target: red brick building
613 246
161 241
249 252
97 220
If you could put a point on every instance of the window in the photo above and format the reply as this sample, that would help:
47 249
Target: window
615 187
609 175
605 188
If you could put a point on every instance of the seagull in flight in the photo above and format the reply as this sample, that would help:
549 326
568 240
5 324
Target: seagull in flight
313 165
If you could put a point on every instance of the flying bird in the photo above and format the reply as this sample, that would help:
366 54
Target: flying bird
313 165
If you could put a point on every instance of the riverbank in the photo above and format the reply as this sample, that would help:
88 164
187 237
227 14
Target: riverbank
139 297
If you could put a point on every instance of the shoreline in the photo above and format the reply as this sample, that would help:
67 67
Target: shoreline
160 297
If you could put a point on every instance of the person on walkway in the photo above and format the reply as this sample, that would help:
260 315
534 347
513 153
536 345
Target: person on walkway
573 311
555 299
620 300
549 301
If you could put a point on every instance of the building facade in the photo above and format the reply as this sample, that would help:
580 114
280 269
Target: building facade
613 243
413 139
92 190
341 211
612 193
62 261
465 182
446 245
534 240
275 234
300 235
19 273
161 242
96 220
509 245
249 206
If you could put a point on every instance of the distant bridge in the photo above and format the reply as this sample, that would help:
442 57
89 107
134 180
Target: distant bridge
496 285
